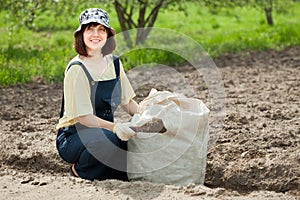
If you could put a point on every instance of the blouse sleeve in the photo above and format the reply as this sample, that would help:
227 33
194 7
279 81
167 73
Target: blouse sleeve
77 93
127 90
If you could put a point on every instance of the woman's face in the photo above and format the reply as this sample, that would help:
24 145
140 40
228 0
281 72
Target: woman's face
95 37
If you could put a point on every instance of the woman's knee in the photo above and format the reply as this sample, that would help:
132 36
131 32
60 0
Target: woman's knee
112 137
92 136
69 147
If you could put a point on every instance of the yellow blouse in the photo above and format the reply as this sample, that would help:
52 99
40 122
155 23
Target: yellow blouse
77 90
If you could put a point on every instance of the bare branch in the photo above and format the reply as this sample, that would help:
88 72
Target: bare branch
127 17
141 22
123 23
154 13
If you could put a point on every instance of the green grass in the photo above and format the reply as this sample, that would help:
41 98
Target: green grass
46 51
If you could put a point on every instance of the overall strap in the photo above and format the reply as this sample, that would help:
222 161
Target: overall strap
83 67
88 76
117 66
117 70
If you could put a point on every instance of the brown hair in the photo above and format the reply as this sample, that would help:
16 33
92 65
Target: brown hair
79 44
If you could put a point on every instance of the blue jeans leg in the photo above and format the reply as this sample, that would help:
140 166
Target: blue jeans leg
95 152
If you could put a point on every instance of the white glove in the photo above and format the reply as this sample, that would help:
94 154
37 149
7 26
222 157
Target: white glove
123 130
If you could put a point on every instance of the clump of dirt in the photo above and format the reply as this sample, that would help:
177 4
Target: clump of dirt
153 126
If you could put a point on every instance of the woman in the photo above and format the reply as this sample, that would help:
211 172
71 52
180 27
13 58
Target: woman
94 85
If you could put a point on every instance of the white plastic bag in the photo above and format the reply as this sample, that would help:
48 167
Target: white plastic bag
177 156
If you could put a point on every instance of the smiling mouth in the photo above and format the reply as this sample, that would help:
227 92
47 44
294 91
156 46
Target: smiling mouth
95 41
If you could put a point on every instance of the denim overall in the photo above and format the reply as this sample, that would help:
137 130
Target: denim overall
97 153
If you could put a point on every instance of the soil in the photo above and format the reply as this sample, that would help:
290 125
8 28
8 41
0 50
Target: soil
153 126
255 156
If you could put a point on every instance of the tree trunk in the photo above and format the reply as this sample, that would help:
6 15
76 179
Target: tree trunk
145 28
144 23
140 37
121 16
269 17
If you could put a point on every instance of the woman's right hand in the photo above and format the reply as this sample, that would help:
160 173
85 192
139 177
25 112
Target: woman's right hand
123 130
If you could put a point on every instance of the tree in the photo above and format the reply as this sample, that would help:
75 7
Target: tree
268 6
147 13
139 14
23 12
